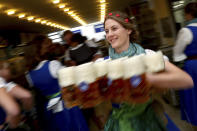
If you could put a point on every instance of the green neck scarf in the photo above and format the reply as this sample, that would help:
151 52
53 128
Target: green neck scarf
134 49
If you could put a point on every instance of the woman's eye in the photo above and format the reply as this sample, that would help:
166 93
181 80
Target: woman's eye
114 29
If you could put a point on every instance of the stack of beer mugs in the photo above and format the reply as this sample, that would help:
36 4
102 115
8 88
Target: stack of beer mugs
120 80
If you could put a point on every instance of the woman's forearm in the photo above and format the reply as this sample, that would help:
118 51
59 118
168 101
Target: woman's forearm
172 77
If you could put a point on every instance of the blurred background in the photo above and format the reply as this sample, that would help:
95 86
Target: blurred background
157 21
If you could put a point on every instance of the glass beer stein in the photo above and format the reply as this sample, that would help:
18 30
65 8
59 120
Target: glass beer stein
116 89
154 62
67 82
101 72
88 92
135 80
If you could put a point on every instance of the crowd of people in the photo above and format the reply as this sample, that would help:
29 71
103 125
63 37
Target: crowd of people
43 60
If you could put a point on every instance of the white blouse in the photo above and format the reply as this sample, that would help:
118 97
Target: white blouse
8 86
54 66
2 82
184 38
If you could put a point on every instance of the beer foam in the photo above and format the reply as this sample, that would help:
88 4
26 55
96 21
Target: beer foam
85 73
154 62
123 58
66 76
115 69
101 68
134 66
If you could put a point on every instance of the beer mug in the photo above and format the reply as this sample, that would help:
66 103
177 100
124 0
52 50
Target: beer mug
116 90
135 80
101 72
67 82
89 94
154 62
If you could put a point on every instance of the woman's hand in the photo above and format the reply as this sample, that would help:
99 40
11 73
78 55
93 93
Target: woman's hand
171 77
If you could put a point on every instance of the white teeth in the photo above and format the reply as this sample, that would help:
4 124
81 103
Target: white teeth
113 40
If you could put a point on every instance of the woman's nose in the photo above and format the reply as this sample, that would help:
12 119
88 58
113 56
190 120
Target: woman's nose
110 33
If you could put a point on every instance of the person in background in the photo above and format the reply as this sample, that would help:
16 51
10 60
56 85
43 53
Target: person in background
15 90
42 76
56 52
79 51
9 109
121 35
185 50
67 37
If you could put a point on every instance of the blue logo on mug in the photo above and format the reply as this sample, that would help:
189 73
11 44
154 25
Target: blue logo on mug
83 86
109 82
135 81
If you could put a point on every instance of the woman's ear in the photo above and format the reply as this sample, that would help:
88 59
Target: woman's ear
129 31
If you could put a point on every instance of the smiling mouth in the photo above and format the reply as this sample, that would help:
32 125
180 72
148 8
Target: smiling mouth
112 41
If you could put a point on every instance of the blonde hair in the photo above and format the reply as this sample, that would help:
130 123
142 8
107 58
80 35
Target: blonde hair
125 21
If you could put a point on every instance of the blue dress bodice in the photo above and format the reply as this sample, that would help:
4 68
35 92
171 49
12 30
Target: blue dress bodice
43 80
191 49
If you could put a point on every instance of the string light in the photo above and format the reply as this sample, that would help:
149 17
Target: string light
69 11
56 1
37 20
48 23
102 1
61 6
44 22
66 9
102 10
30 18
73 15
21 16
11 12
102 6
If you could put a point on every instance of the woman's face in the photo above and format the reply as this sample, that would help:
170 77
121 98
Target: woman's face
67 38
188 17
116 34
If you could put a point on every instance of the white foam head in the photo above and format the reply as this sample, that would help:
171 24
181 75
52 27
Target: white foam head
66 76
85 73
115 69
134 66
101 68
154 62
